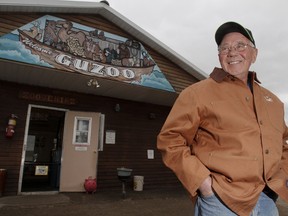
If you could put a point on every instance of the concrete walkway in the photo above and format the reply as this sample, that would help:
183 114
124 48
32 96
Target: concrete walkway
157 202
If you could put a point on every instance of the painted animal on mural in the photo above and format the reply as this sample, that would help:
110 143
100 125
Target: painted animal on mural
94 45
60 35
92 49
35 31
65 32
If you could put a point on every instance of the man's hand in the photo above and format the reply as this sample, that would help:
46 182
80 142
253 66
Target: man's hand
206 187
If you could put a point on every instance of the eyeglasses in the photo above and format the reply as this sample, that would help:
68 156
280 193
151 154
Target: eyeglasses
239 47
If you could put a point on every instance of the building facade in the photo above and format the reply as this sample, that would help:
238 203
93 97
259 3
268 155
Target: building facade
89 91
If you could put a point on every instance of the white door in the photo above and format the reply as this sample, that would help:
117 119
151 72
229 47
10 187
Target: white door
80 150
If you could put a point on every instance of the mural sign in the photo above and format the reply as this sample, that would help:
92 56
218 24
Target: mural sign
53 42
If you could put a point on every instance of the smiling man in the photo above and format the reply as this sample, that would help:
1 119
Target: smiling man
225 137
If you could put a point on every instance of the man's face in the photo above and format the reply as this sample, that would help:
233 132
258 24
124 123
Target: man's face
237 63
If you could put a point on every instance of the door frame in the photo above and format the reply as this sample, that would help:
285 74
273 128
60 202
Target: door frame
30 106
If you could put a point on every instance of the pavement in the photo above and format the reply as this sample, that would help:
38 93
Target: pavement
152 202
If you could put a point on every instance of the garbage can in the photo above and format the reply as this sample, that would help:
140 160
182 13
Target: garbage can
3 174
138 183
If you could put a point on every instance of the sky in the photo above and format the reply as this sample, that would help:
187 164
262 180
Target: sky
188 27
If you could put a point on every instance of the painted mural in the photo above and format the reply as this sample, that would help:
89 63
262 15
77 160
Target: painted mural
53 42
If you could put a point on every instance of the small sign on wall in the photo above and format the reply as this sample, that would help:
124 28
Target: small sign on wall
150 154
41 170
110 137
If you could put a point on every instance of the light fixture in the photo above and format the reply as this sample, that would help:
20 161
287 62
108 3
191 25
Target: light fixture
93 83
117 108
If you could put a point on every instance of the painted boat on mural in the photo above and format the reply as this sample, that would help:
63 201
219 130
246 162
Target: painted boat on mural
83 55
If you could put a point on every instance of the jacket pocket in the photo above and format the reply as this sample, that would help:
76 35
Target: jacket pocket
233 167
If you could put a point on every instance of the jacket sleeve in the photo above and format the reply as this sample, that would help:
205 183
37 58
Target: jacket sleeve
176 140
285 150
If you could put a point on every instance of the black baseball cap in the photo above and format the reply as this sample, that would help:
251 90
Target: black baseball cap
229 27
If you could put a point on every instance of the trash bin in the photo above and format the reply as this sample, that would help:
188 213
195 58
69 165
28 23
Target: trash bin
3 174
138 183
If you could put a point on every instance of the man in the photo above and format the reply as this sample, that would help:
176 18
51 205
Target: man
225 137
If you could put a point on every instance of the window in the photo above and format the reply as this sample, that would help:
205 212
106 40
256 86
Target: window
82 130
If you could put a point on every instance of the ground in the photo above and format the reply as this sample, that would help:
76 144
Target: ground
156 202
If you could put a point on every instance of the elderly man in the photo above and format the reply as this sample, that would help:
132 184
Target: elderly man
225 137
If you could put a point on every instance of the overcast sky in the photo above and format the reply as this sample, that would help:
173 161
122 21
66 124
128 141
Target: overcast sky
188 27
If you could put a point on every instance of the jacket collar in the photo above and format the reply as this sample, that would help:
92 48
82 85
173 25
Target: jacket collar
218 74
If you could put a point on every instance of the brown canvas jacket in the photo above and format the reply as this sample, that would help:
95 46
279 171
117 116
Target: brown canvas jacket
218 127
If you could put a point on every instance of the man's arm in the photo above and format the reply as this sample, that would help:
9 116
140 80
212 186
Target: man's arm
176 140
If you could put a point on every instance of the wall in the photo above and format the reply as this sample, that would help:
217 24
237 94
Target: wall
135 130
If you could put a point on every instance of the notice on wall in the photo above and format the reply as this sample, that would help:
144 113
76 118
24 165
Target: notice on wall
150 154
110 137
41 170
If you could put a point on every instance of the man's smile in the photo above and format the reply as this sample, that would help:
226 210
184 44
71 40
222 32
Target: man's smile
234 62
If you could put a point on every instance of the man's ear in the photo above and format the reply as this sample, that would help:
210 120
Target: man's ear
254 57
